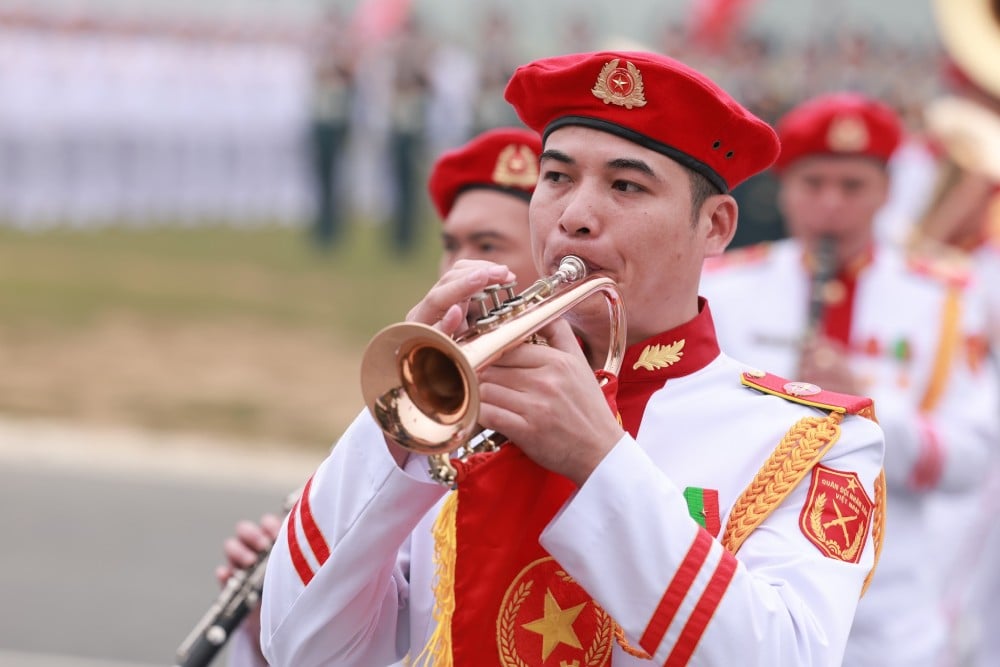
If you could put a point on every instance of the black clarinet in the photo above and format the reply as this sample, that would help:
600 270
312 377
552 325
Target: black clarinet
239 597
825 269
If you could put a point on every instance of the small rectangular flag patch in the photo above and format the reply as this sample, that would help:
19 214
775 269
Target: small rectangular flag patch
703 506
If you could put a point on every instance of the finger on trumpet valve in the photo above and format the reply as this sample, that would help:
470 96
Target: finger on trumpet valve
478 306
493 291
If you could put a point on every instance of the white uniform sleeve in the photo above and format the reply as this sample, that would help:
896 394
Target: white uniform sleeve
336 588
244 647
947 447
681 596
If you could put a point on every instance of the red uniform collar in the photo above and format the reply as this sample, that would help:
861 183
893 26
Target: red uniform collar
680 351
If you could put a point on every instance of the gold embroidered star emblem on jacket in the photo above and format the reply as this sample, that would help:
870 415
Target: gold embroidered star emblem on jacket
556 625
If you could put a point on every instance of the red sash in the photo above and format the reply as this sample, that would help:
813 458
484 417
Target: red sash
514 604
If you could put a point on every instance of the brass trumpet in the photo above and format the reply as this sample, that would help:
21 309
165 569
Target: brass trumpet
420 385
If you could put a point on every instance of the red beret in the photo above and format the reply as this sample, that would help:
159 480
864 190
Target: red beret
839 124
504 159
652 100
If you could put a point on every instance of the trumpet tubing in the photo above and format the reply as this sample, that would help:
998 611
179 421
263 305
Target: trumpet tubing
420 385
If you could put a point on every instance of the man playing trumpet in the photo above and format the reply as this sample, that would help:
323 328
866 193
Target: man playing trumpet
667 527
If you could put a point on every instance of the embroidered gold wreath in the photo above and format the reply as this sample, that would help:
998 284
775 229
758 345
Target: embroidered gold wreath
596 655
602 90
516 166
660 356
847 134
816 523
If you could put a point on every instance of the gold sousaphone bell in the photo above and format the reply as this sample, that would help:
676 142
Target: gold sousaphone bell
967 130
970 33
420 384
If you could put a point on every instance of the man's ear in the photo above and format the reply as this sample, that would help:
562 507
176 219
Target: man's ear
721 212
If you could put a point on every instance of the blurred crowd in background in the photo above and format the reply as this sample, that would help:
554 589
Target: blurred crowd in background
108 120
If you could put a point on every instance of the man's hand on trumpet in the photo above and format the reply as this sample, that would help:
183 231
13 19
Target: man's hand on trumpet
447 302
546 399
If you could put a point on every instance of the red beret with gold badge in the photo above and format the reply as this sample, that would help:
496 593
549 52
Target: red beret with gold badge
503 159
652 100
848 124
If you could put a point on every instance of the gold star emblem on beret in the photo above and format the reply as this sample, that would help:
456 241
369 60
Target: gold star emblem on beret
620 85
847 134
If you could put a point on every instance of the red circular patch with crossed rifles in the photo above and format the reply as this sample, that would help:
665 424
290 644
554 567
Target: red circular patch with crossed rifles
546 618
837 514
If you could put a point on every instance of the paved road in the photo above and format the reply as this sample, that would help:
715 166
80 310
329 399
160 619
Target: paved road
108 540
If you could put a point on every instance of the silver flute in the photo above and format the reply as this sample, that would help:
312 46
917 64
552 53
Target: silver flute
239 597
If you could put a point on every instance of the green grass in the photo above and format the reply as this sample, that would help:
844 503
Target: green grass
67 279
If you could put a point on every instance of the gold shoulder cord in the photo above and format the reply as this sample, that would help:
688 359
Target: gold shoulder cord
803 447
948 342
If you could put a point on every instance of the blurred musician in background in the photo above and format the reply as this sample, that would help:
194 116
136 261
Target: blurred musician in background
832 307
959 219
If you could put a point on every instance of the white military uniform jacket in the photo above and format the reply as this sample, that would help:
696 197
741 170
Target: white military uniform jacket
350 577
760 300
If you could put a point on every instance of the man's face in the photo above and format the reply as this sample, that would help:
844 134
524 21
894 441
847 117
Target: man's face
834 196
626 211
491 225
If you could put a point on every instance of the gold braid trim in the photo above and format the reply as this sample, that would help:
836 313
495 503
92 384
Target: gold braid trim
437 652
948 343
805 444
628 648
801 448
878 526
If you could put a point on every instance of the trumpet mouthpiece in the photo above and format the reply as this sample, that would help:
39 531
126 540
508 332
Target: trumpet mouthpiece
572 268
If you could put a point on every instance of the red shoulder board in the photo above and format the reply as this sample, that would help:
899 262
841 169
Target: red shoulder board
952 268
745 256
807 394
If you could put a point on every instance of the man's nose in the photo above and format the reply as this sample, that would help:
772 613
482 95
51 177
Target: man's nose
580 217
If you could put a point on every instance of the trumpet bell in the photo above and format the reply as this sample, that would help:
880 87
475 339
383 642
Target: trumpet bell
421 385
416 383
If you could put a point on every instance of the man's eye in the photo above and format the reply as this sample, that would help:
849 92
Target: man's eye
627 186
555 176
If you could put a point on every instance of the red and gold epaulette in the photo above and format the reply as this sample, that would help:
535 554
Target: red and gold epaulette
950 266
808 394
745 256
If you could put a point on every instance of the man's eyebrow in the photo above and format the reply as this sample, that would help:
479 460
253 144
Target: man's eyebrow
485 234
631 163
558 156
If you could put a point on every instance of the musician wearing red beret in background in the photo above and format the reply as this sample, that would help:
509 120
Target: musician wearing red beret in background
714 515
849 314
946 204
480 190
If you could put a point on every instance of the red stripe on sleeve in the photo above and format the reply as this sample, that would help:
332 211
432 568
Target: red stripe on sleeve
295 550
311 530
703 612
930 464
676 590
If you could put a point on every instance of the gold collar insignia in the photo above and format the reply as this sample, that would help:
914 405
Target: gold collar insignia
660 356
